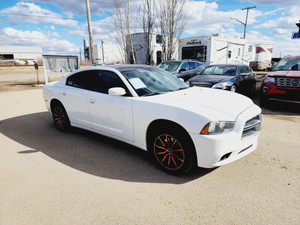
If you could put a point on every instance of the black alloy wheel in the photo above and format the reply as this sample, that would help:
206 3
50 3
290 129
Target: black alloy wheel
172 151
60 118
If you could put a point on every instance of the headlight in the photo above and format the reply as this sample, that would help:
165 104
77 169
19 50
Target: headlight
217 127
222 85
269 79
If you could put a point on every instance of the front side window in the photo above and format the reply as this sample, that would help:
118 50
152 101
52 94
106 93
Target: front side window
185 66
192 65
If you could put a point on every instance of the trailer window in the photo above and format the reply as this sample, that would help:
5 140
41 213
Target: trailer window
197 52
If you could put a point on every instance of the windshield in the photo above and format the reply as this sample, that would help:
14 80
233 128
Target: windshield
151 81
220 70
288 64
169 66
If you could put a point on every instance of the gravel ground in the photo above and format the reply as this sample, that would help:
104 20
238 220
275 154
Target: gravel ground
50 177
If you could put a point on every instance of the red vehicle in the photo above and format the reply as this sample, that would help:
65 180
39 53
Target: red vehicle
283 83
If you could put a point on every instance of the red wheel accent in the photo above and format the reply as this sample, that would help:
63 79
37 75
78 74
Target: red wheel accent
59 117
168 152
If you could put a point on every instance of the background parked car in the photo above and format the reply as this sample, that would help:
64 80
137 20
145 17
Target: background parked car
283 83
234 77
184 69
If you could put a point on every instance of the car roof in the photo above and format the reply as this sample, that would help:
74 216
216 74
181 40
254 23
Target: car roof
291 57
184 60
227 65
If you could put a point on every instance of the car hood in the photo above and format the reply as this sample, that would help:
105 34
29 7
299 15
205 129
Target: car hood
290 73
213 79
212 103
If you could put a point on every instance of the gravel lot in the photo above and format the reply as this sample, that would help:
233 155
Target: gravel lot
50 177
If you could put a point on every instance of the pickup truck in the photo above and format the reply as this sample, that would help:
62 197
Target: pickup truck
283 83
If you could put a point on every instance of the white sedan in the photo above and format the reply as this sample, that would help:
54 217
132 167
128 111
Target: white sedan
180 127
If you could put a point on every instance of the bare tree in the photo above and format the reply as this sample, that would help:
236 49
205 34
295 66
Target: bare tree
146 12
172 20
122 24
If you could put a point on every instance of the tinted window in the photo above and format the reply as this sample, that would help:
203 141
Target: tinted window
96 80
245 69
83 80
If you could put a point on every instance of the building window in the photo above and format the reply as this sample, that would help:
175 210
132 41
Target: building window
6 56
158 39
229 54
250 48
196 52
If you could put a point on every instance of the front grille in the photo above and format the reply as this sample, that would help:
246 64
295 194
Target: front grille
252 126
201 84
287 82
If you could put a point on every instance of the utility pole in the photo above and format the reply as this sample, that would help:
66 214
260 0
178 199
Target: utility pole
247 18
90 30
102 50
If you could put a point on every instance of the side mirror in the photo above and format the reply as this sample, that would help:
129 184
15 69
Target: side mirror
116 91
182 70
243 74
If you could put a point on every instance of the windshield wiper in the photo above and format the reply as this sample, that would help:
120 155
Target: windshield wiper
154 93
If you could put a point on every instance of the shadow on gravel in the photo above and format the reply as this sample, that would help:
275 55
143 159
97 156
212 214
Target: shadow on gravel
88 152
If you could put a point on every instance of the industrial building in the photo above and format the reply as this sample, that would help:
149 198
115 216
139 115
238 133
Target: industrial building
12 53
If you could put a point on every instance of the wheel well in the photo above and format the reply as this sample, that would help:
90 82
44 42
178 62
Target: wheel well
165 123
55 102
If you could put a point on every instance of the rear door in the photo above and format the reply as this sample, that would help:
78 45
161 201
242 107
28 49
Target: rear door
74 97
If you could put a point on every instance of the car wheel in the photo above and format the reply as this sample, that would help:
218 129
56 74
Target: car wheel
172 150
233 88
60 117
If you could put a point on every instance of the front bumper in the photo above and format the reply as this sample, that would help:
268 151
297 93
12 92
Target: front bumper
217 150
270 91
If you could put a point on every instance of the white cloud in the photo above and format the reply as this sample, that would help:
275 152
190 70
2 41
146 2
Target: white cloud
286 3
31 13
206 18
36 38
52 27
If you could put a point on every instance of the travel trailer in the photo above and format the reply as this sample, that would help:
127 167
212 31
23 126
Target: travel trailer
214 49
217 49
139 47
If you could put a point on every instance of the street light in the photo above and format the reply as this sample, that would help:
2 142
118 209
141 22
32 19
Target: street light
245 24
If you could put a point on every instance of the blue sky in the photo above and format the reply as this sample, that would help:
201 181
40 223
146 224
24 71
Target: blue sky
59 26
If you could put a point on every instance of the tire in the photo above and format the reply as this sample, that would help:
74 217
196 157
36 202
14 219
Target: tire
60 117
252 91
233 88
172 150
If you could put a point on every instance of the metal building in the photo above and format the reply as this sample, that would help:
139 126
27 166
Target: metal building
21 52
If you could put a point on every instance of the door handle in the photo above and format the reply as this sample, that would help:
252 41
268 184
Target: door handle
92 101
